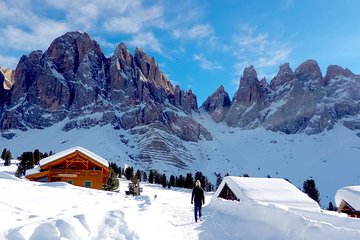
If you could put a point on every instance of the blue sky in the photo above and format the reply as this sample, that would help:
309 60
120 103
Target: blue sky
198 44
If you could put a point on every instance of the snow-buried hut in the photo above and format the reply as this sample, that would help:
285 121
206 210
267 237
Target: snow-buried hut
347 200
76 165
269 191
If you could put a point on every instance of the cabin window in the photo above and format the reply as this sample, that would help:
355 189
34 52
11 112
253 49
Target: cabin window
72 167
70 181
88 184
227 194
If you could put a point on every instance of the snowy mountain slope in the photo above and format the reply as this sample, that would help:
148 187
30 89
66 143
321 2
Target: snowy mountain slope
324 157
33 210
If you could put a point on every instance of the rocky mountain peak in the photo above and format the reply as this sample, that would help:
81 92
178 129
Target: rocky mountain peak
284 75
217 104
334 71
250 74
309 71
249 89
70 49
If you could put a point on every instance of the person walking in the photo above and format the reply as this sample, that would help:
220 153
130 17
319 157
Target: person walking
198 198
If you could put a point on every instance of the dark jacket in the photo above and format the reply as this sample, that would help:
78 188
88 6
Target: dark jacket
198 195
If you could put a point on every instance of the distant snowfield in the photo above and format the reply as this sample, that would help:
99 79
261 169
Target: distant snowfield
31 210
329 158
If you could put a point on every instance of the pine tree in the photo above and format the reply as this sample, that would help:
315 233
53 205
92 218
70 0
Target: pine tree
27 161
157 178
218 179
163 180
37 156
112 182
309 187
151 176
180 181
189 181
138 175
331 207
8 158
172 181
129 172
144 177
3 154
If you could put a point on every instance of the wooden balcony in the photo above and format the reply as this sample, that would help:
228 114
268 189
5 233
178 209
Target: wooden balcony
75 173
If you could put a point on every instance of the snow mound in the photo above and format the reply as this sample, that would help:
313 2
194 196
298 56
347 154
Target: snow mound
273 191
5 175
350 194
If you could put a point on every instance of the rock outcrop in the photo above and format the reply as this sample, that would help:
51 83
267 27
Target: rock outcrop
296 101
72 81
248 102
217 104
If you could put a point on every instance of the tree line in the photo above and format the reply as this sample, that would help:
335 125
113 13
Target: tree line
6 156
155 177
29 159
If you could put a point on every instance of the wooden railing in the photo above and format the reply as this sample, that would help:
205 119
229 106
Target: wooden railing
77 172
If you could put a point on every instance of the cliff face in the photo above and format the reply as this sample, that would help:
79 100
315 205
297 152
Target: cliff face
74 84
295 101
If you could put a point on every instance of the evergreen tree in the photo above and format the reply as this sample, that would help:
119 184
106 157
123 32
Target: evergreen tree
8 158
309 187
331 207
163 180
157 178
27 161
180 181
129 172
116 169
3 154
138 175
144 177
218 179
112 182
37 156
151 176
189 181
172 181
207 185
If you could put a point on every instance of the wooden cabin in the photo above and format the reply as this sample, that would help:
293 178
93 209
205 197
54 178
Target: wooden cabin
347 200
348 209
77 166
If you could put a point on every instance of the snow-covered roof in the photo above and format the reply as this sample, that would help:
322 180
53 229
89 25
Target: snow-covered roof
64 153
275 191
32 171
350 194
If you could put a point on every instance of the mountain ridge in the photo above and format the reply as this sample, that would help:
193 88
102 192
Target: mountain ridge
72 83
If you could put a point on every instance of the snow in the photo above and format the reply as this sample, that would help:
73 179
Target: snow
257 152
351 195
32 171
66 152
32 210
273 191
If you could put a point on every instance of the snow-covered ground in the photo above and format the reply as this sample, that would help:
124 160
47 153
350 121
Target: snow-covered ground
328 157
31 210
